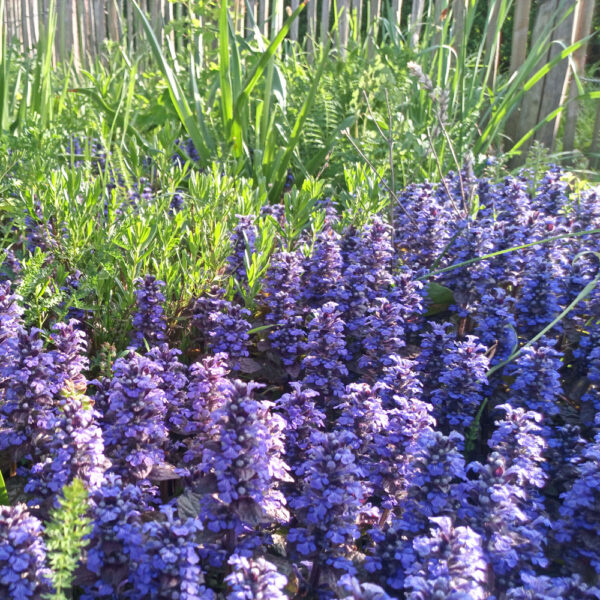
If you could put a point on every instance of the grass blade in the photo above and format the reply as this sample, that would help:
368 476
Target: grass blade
282 165
224 74
261 65
4 500
204 147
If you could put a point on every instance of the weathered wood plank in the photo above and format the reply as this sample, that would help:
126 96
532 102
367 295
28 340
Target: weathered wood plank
263 11
374 15
547 94
100 22
357 6
416 22
25 20
114 32
459 10
492 41
325 15
583 20
311 31
294 27
520 34
343 25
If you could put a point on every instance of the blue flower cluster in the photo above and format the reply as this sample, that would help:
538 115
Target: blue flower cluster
254 579
384 450
23 571
135 433
148 322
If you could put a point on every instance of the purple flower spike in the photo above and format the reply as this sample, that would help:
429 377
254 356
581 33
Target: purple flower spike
10 312
361 591
543 587
450 564
385 336
149 321
135 433
537 379
23 571
399 382
29 396
166 564
323 364
302 417
579 527
282 289
330 502
74 450
462 381
207 391
116 515
224 327
70 355
254 579
245 463
243 240
173 376
504 504
322 281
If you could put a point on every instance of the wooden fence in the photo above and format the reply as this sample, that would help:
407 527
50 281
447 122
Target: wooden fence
84 26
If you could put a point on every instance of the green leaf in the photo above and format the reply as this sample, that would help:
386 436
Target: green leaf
4 501
440 296
242 100
203 143
65 538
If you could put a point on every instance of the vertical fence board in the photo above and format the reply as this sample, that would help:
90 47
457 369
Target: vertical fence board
459 10
276 16
25 24
17 21
325 13
520 33
492 40
440 5
374 14
311 30
155 13
396 15
130 25
74 34
9 21
546 95
343 24
263 9
82 30
595 147
357 17
170 17
100 20
251 16
35 20
518 54
556 84
582 28
416 21
113 21
294 27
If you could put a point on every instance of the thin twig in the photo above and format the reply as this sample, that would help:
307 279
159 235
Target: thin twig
439 167
390 141
458 167
346 133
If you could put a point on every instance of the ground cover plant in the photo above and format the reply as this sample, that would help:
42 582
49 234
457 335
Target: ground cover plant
259 340
363 407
